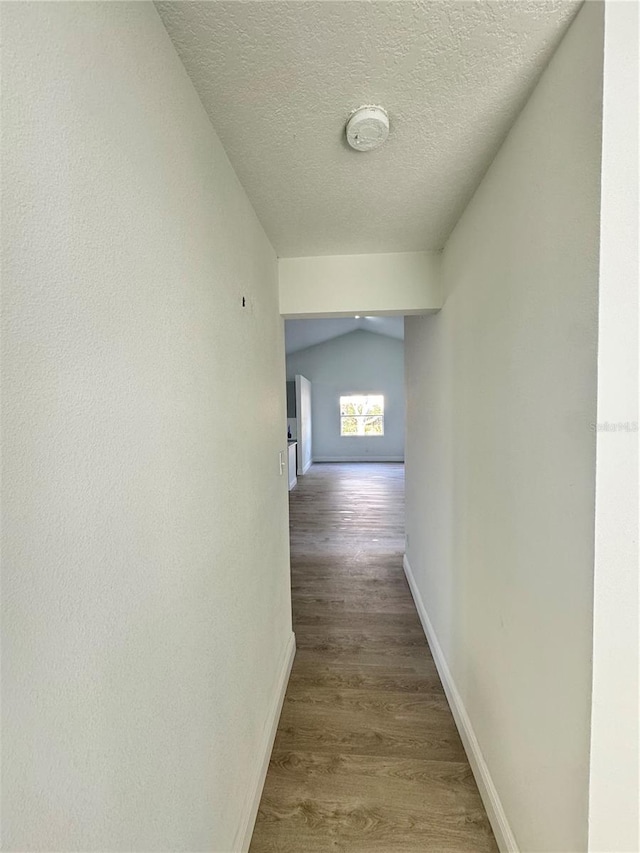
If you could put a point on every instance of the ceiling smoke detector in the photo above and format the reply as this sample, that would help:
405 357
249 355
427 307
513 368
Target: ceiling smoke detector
367 128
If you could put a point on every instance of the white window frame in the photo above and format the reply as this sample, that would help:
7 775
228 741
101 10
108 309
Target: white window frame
365 400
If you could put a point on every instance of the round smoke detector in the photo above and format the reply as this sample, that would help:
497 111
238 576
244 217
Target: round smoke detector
367 128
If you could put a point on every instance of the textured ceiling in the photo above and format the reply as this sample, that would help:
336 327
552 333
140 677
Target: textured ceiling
279 79
300 334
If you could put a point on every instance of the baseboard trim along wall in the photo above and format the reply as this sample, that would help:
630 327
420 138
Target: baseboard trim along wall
358 458
504 836
247 824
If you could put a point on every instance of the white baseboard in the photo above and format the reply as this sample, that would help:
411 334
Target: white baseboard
307 466
358 458
253 802
495 811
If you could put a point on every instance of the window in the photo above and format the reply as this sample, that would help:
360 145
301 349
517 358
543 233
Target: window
362 415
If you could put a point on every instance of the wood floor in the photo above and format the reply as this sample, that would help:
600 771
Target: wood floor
367 756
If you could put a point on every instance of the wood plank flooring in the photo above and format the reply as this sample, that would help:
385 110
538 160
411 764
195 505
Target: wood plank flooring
367 757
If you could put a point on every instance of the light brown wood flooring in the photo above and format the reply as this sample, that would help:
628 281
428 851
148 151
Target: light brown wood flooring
367 757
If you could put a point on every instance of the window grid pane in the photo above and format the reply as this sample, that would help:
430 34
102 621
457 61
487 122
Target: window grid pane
362 415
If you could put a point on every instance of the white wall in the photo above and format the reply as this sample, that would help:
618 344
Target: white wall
145 547
344 285
359 362
500 452
614 803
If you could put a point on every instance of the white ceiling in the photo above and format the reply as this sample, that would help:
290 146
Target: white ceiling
279 80
300 334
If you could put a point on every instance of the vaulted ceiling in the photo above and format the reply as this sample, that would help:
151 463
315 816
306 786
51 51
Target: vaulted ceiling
300 334
279 79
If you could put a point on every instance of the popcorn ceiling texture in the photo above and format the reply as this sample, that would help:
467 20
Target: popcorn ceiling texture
279 80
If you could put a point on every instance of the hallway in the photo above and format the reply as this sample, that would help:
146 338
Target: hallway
367 756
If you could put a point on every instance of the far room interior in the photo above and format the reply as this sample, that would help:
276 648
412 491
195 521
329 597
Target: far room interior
355 367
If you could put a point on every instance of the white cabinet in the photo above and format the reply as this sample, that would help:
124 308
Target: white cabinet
292 464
